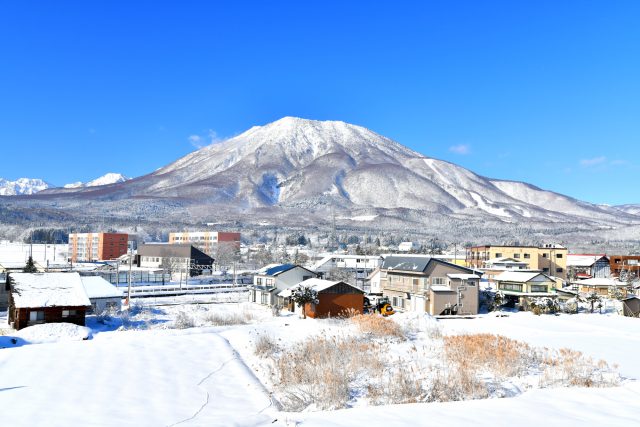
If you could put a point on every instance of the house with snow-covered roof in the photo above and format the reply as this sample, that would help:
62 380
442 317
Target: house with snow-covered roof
36 298
520 287
600 285
274 278
587 266
102 294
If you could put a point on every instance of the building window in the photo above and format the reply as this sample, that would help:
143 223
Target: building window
544 255
539 288
516 256
510 287
559 270
263 298
558 255
259 281
67 313
527 256
437 280
498 255
545 270
36 316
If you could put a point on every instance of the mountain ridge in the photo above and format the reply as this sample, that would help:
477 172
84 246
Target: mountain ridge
297 167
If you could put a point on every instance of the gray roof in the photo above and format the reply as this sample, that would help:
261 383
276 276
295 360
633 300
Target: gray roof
406 263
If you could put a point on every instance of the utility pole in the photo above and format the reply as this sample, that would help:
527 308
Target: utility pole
129 279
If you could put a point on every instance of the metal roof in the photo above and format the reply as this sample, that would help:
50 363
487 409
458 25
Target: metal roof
277 269
406 263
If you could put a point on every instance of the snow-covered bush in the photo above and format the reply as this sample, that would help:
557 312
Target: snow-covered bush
184 320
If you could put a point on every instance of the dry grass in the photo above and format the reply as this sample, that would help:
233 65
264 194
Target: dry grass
377 326
329 373
319 372
265 346
228 319
503 357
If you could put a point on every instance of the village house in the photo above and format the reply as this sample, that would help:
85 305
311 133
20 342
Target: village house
588 266
427 284
334 298
275 278
102 294
36 298
601 286
520 287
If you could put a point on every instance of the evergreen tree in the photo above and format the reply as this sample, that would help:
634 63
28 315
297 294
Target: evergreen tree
593 298
30 267
304 295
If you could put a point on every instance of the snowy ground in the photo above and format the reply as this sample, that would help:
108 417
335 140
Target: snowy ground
140 370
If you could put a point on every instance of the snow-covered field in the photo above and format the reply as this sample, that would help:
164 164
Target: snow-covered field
167 364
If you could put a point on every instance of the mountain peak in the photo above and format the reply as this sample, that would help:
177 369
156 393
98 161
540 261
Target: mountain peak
22 186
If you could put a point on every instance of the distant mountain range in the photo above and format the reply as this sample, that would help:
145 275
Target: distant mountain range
299 171
22 186
106 179
28 186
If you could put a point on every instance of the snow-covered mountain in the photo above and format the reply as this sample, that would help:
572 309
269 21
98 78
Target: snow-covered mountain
106 179
632 209
22 186
298 168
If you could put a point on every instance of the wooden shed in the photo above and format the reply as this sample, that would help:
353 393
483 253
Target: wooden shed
334 298
36 298
631 306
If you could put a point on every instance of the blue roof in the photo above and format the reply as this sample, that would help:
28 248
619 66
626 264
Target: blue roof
278 269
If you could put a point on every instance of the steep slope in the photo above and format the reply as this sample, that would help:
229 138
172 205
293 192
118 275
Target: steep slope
296 164
22 186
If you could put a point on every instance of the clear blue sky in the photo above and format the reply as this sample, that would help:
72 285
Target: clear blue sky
546 92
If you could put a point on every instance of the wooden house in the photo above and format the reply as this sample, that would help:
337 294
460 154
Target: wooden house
334 298
36 298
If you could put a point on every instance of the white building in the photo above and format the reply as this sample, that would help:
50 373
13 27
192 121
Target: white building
102 294
408 246
358 267
275 278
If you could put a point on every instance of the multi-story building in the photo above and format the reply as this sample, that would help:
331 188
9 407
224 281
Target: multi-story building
623 266
549 259
353 269
97 246
208 241
425 284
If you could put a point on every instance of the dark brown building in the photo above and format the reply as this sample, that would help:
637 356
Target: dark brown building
36 298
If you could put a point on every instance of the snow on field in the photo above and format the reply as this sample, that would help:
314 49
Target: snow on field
141 378
142 369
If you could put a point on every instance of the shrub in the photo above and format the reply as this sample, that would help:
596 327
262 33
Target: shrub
184 320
